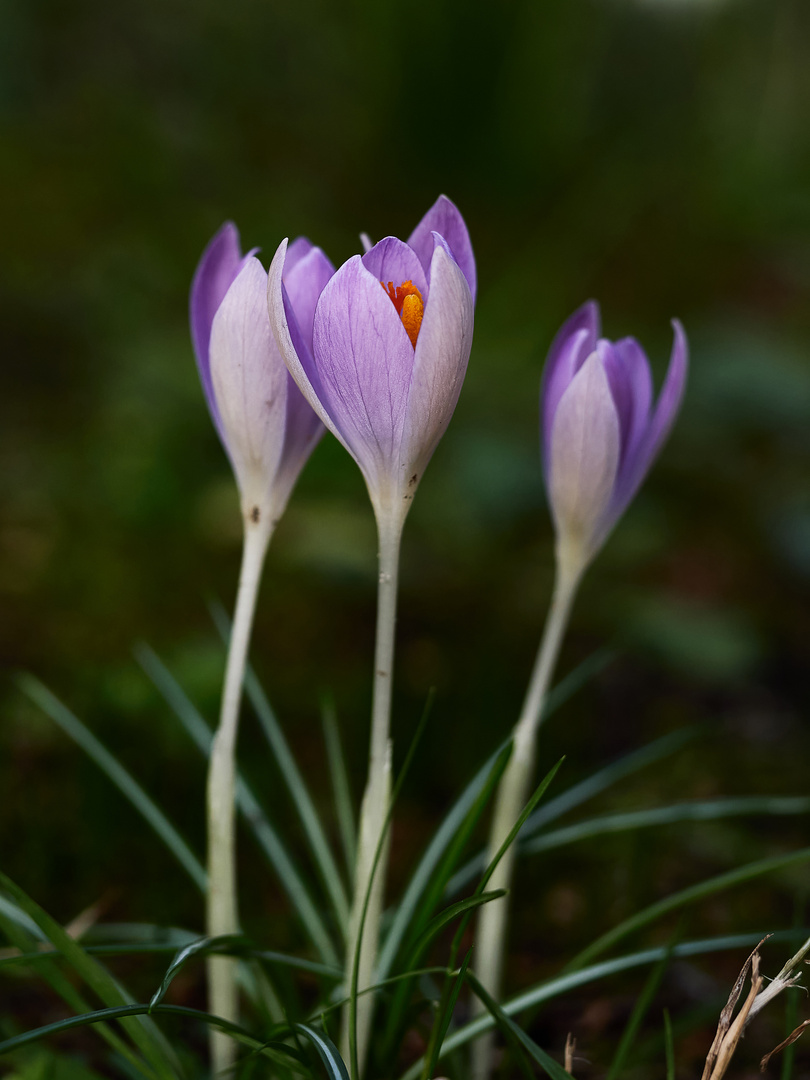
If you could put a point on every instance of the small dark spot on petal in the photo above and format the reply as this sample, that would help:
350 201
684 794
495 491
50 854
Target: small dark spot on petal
255 514
413 479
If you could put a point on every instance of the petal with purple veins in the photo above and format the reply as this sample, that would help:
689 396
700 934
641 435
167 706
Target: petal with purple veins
574 342
445 219
585 442
250 382
364 361
304 280
216 270
393 261
440 363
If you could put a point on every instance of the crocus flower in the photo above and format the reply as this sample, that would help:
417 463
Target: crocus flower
384 365
267 428
601 431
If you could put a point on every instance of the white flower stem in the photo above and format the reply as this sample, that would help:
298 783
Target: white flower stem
221 907
377 795
513 791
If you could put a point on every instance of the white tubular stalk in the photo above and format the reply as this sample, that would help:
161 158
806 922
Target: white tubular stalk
221 908
513 791
375 799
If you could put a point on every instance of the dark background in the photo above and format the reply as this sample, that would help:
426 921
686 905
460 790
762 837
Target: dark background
653 155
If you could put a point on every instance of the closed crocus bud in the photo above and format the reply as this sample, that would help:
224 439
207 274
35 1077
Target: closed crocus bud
266 426
601 430
384 365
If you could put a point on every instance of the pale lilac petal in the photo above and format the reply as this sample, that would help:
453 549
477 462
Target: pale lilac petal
637 367
304 280
574 342
392 261
216 270
440 363
301 435
250 383
658 426
585 444
364 361
297 250
290 341
445 219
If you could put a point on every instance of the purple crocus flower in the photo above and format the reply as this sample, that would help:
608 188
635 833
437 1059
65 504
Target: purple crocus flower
267 428
384 364
601 431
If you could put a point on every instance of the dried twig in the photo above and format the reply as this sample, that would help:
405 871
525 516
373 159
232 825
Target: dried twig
570 1047
792 1037
724 1023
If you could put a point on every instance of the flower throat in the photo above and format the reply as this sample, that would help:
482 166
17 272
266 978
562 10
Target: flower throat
407 299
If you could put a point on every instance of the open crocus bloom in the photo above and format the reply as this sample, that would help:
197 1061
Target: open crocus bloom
266 426
384 365
601 431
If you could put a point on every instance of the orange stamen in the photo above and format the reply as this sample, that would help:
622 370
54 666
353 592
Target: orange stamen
409 305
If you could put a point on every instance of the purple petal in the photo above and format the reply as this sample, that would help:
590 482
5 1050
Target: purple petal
584 458
628 373
216 270
652 437
364 361
250 383
393 261
297 250
445 219
637 367
290 340
301 435
440 363
304 280
574 342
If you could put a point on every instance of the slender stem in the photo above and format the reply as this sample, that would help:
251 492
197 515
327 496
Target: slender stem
376 797
513 791
221 908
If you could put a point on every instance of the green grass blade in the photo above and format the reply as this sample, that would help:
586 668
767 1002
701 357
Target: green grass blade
640 1008
669 1046
587 789
576 679
344 806
606 778
709 810
426 868
142 1031
327 1051
204 946
444 1019
61 985
19 919
546 991
135 1011
248 804
681 899
296 785
129 787
437 924
546 1062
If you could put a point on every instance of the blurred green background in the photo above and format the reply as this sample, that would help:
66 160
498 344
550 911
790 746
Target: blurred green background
654 155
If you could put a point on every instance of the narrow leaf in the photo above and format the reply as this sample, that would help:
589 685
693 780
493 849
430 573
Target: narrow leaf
344 807
684 897
129 787
296 785
142 1031
327 1051
248 804
444 1019
708 810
